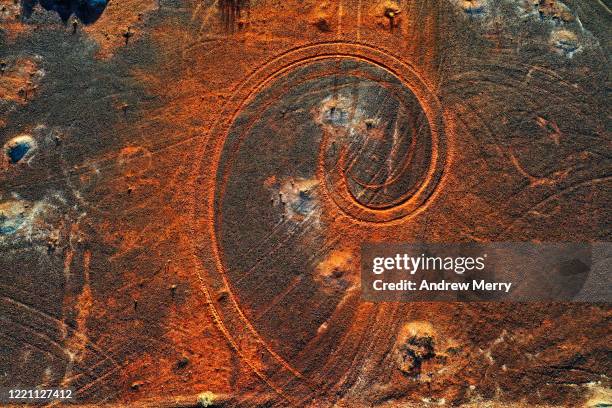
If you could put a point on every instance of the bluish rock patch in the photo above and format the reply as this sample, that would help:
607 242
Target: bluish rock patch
18 151
87 11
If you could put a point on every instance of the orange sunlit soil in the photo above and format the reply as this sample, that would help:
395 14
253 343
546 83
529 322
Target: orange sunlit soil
185 221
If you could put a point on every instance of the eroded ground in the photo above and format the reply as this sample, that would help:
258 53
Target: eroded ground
185 185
